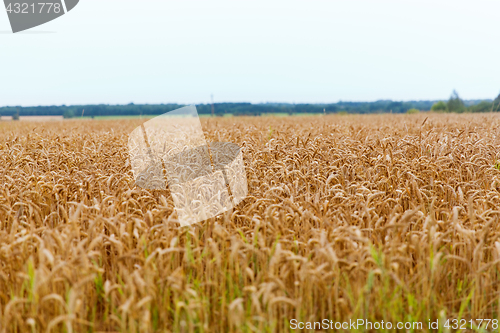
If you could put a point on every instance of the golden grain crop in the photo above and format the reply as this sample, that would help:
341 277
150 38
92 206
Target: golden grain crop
382 217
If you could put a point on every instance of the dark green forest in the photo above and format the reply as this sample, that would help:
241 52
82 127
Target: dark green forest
453 104
219 109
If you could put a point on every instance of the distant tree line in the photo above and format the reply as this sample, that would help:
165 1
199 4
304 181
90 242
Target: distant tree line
220 109
454 104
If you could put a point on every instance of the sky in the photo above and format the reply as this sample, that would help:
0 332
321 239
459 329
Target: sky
296 51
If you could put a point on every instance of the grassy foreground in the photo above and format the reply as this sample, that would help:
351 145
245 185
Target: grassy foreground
378 217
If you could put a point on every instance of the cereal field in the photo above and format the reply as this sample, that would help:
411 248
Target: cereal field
378 217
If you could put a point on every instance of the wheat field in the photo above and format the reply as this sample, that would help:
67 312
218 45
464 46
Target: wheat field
379 217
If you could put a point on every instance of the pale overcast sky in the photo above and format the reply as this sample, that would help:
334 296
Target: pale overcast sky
152 51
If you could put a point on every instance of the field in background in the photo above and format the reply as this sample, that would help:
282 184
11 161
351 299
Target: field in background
201 116
144 117
33 118
381 217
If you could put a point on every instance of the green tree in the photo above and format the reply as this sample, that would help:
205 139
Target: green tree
15 116
497 100
484 106
455 103
439 107
68 114
496 104
413 111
